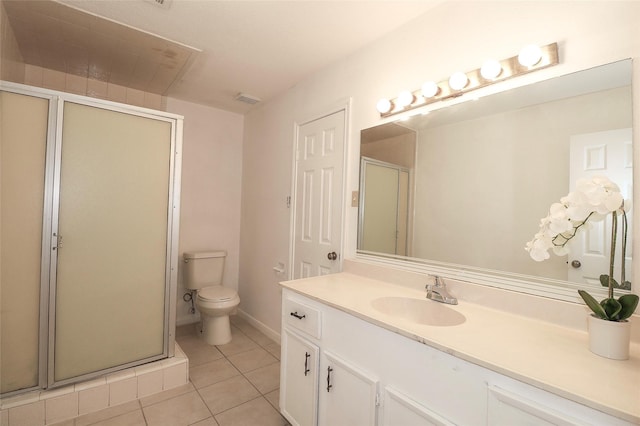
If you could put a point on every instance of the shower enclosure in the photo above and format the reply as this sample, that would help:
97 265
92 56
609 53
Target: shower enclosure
88 237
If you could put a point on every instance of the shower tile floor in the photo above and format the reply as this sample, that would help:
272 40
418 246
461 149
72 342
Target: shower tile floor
229 385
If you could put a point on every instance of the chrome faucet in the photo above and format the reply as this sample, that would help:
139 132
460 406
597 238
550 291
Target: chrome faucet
438 291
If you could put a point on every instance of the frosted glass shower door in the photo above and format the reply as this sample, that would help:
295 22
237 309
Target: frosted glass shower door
112 276
23 141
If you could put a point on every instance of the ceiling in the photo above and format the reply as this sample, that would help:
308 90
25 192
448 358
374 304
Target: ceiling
203 51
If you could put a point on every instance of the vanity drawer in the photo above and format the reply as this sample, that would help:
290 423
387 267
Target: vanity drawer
302 317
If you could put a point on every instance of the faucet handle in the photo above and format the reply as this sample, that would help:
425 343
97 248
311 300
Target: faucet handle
437 282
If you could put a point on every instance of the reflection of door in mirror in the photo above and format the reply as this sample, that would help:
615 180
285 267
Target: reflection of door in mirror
607 153
384 198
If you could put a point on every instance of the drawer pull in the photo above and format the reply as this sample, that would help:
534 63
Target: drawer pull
306 363
297 315
329 385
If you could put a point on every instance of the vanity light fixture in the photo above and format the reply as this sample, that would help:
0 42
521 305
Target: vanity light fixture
405 98
384 106
458 80
491 69
530 55
531 58
430 89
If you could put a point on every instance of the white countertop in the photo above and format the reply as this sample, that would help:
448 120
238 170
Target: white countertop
550 357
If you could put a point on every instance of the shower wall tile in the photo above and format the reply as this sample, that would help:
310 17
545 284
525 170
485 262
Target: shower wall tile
123 391
93 399
176 375
150 383
29 414
33 75
4 418
61 408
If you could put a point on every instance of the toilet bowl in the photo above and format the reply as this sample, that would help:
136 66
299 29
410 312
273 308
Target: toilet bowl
203 273
215 304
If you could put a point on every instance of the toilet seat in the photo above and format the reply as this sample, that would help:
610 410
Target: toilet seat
217 293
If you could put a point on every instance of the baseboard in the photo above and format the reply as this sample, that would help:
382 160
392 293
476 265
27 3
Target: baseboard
271 334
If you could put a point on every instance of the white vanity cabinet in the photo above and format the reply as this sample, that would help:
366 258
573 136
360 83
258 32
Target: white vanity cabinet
376 376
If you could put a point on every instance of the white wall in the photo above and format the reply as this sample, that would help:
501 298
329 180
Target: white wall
454 36
211 183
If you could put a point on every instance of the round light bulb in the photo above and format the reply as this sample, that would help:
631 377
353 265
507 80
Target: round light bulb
530 55
491 69
384 106
405 98
430 89
458 80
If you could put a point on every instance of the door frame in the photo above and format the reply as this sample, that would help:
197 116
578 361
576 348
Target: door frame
341 105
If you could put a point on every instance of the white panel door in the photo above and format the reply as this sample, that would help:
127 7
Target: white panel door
299 388
348 395
319 195
606 153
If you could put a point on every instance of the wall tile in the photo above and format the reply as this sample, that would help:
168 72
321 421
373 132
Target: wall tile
29 414
150 383
61 408
152 100
33 75
123 391
76 84
176 375
54 80
116 93
4 418
97 88
93 399
135 97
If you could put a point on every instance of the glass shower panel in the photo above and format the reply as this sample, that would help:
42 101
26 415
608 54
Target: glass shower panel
112 240
23 140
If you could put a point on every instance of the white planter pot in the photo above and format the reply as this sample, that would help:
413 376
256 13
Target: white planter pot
609 339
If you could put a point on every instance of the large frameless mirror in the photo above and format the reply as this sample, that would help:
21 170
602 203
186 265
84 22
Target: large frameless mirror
466 186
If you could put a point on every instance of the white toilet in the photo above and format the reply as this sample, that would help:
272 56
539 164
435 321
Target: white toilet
203 273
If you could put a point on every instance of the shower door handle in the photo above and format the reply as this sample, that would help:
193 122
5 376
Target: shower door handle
58 243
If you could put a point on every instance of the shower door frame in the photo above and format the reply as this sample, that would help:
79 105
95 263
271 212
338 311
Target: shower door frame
46 348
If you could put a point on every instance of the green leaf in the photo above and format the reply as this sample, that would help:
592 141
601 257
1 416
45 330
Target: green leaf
604 281
629 302
612 308
593 304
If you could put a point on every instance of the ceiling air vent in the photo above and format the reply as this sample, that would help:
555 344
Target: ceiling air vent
165 4
247 99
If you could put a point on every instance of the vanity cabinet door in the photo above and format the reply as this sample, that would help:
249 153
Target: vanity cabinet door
399 410
299 380
348 395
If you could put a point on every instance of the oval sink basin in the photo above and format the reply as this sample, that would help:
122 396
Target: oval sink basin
419 311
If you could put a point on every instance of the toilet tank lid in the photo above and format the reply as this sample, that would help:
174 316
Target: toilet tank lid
204 254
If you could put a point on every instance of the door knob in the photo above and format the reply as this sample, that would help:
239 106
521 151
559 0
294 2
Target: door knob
332 255
576 264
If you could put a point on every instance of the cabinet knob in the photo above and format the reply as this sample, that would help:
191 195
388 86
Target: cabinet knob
576 264
332 256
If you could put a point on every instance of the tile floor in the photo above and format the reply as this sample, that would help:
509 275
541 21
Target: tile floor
236 384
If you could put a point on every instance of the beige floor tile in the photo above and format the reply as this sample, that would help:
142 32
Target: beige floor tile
212 372
182 410
255 412
274 398
265 379
252 359
107 413
228 394
207 422
257 336
197 350
274 349
185 330
239 343
168 394
134 418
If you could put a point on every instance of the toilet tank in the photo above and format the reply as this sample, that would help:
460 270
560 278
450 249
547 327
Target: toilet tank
203 269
